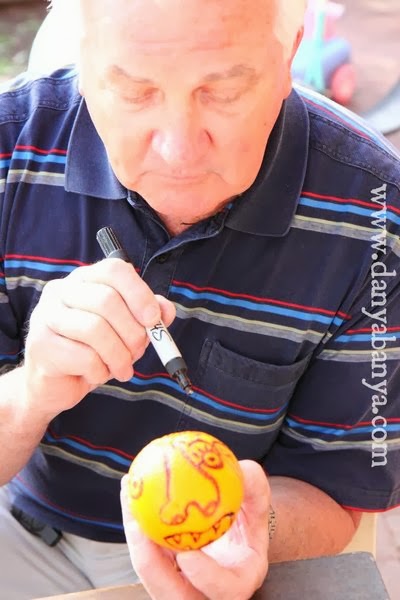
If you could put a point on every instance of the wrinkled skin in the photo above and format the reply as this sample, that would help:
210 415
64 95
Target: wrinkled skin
185 118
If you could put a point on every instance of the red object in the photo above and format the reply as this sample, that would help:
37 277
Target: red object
343 84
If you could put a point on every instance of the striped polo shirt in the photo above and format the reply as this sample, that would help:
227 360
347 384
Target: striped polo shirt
288 307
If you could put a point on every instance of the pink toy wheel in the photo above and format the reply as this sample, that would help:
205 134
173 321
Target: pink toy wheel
343 84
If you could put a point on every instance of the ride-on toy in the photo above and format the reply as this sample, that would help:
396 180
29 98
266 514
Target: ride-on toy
323 60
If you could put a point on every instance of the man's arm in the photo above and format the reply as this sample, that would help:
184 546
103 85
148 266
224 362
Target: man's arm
86 329
308 522
20 429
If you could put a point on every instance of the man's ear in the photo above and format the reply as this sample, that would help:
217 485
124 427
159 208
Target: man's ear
80 85
296 44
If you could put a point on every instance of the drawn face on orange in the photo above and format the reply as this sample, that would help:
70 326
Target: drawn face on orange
185 489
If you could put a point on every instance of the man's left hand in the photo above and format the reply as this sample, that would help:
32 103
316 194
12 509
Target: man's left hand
231 568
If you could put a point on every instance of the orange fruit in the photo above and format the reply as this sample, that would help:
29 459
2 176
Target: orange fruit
185 489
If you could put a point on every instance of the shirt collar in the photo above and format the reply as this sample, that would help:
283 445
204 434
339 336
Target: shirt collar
88 170
266 208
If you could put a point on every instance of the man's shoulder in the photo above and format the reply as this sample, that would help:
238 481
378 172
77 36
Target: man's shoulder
342 136
26 94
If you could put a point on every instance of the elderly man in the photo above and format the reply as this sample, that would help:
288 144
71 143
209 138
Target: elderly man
263 226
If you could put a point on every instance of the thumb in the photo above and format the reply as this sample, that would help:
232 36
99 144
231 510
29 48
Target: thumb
257 492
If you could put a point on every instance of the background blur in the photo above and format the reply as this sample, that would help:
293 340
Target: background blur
373 29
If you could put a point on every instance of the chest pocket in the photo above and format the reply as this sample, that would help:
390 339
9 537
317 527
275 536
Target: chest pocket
234 393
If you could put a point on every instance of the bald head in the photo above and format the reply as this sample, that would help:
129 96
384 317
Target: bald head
289 14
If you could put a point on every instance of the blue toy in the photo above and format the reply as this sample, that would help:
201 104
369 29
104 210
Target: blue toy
323 60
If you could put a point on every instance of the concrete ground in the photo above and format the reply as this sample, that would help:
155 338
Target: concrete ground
373 28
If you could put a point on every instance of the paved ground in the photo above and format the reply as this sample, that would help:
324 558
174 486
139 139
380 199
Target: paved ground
373 28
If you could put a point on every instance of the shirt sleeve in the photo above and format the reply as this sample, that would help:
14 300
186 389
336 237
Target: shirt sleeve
10 344
342 429
10 338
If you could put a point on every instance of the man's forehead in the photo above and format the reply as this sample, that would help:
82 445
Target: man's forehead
170 13
117 74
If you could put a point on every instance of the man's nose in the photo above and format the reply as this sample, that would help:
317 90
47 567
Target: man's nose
181 141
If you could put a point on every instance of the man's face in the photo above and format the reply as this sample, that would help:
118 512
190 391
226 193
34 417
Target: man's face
184 94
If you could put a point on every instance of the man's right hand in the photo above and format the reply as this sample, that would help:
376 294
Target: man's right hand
86 329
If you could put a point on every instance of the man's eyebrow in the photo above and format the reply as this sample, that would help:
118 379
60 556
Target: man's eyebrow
116 73
235 71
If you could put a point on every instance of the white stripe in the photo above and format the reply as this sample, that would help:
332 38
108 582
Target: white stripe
345 230
24 281
35 177
324 445
247 325
357 356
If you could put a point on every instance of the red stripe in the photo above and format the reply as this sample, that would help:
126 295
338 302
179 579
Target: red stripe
62 509
338 425
369 510
369 330
257 299
11 353
219 400
238 406
90 445
46 259
335 116
352 201
8 155
41 151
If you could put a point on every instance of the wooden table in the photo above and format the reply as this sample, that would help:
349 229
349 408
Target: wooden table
346 576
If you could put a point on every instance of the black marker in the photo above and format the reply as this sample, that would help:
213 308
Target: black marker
159 335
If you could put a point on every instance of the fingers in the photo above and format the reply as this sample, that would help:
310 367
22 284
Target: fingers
122 277
99 299
210 578
168 310
257 494
254 516
106 307
72 357
235 565
231 568
89 325
96 315
154 565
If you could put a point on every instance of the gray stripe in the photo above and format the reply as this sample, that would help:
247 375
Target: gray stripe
247 325
92 465
201 415
326 446
3 298
2 185
357 356
23 281
6 368
345 230
32 177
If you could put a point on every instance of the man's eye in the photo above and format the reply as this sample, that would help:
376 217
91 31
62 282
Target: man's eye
138 97
221 97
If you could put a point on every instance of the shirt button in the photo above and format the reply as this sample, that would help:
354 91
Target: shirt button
162 258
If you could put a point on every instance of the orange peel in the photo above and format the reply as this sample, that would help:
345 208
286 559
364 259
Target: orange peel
185 489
